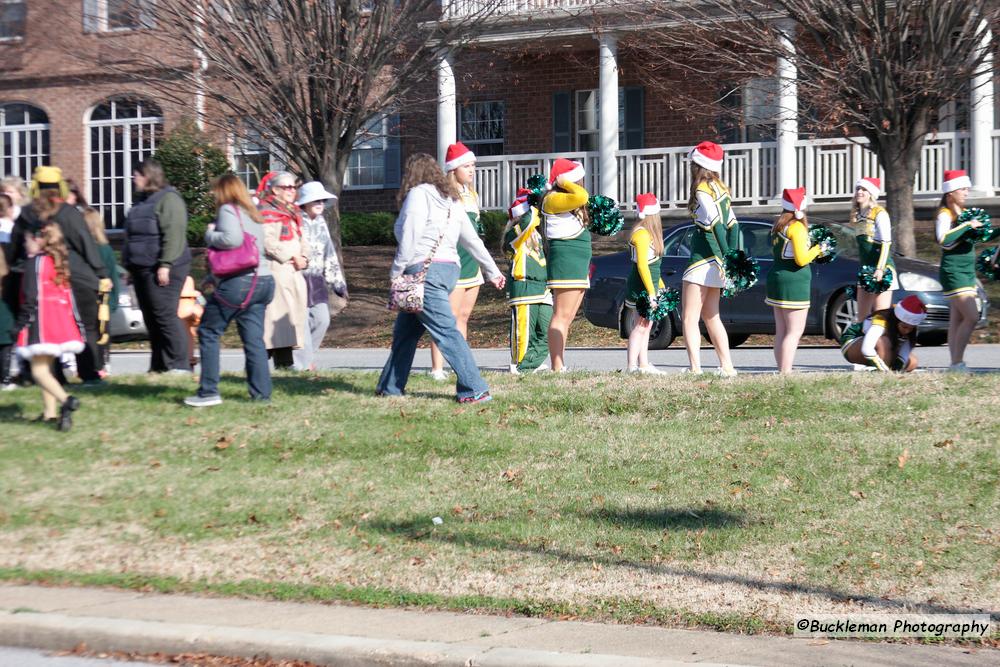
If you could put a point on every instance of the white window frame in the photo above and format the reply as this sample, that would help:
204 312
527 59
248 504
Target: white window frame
16 38
377 142
103 18
147 127
251 144
18 158
595 130
473 143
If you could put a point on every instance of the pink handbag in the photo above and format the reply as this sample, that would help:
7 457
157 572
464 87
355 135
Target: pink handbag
224 263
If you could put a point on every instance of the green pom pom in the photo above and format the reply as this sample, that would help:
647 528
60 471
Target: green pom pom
741 272
538 185
667 301
983 233
852 292
822 236
605 217
866 278
986 266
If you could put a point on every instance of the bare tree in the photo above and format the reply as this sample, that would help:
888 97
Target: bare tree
306 76
880 68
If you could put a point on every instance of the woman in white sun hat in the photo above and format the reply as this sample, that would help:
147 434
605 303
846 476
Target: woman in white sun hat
323 273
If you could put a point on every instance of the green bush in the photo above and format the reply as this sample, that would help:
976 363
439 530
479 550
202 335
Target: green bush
376 228
367 228
190 162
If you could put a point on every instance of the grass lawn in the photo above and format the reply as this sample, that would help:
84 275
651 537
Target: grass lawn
728 504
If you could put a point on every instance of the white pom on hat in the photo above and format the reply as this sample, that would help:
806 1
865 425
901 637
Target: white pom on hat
709 155
646 204
564 170
911 310
457 155
794 199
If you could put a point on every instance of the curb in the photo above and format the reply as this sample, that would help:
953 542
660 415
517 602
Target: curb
55 632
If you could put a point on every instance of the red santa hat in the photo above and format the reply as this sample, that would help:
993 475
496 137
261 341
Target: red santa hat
520 206
709 155
911 310
955 179
646 204
794 200
872 185
457 155
566 171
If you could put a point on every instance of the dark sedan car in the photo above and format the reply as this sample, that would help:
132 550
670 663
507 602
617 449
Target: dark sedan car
830 309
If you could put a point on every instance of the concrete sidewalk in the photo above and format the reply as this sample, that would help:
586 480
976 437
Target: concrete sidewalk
111 620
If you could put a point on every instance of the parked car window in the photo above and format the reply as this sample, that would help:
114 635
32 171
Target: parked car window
757 240
679 245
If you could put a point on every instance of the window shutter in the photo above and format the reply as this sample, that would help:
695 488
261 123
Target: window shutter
392 153
147 13
634 119
562 120
91 21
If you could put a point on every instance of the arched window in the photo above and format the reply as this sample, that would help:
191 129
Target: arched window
122 132
24 139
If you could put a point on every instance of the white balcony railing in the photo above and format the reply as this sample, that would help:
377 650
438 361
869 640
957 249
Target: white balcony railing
828 168
457 9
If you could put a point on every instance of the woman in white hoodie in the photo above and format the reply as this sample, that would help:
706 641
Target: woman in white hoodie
431 222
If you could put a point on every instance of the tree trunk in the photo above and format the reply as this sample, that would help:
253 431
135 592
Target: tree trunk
332 177
899 176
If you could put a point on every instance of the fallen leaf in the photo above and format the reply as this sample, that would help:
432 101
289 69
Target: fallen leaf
160 513
903 458
223 442
945 444
858 495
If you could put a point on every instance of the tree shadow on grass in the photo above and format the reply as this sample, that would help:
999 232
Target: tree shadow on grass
422 530
667 518
11 413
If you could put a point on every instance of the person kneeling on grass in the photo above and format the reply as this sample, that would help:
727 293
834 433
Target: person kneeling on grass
887 337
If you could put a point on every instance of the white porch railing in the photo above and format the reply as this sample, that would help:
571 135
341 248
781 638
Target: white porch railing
456 9
828 168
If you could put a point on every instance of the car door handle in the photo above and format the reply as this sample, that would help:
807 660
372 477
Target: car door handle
669 272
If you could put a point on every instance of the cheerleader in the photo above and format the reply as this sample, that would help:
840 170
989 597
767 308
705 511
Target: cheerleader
886 338
48 324
789 282
646 247
873 232
568 253
958 265
704 278
529 299
460 166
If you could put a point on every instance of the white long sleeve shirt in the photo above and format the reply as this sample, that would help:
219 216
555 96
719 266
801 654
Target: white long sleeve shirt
423 217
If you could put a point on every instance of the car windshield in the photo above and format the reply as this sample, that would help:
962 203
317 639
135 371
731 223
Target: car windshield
848 247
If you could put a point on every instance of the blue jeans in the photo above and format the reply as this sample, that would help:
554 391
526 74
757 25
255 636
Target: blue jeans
249 322
437 318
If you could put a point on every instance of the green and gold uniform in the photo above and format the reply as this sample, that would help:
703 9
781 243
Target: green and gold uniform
958 254
789 282
529 299
873 232
715 224
569 250
645 267
470 274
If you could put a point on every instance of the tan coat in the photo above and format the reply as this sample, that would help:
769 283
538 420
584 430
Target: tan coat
285 318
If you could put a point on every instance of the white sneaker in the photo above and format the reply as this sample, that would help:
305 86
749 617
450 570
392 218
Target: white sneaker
541 369
723 373
564 369
513 370
632 370
960 367
651 370
439 376
691 371
859 368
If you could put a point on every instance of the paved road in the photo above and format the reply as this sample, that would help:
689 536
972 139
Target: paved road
19 657
751 359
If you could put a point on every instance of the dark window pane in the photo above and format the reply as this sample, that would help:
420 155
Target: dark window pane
126 108
12 16
102 112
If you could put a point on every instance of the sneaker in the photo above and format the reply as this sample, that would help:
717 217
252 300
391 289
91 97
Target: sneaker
179 371
723 373
860 368
541 369
632 370
203 401
96 383
960 367
439 376
69 406
478 398
513 370
8 385
691 371
650 370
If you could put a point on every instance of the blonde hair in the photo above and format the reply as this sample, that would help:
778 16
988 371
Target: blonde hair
229 189
855 209
95 223
533 240
785 219
422 168
701 175
653 225
51 242
16 183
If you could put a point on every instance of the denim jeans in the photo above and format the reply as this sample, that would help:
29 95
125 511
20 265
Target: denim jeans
249 322
437 318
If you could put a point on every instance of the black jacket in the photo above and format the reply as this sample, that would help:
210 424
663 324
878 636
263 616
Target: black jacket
86 267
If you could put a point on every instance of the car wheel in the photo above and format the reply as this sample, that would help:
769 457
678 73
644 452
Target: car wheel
735 340
840 315
932 338
661 336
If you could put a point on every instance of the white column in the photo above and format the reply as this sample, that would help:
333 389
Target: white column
447 124
608 124
981 123
788 113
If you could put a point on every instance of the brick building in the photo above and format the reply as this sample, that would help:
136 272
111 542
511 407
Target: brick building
527 92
